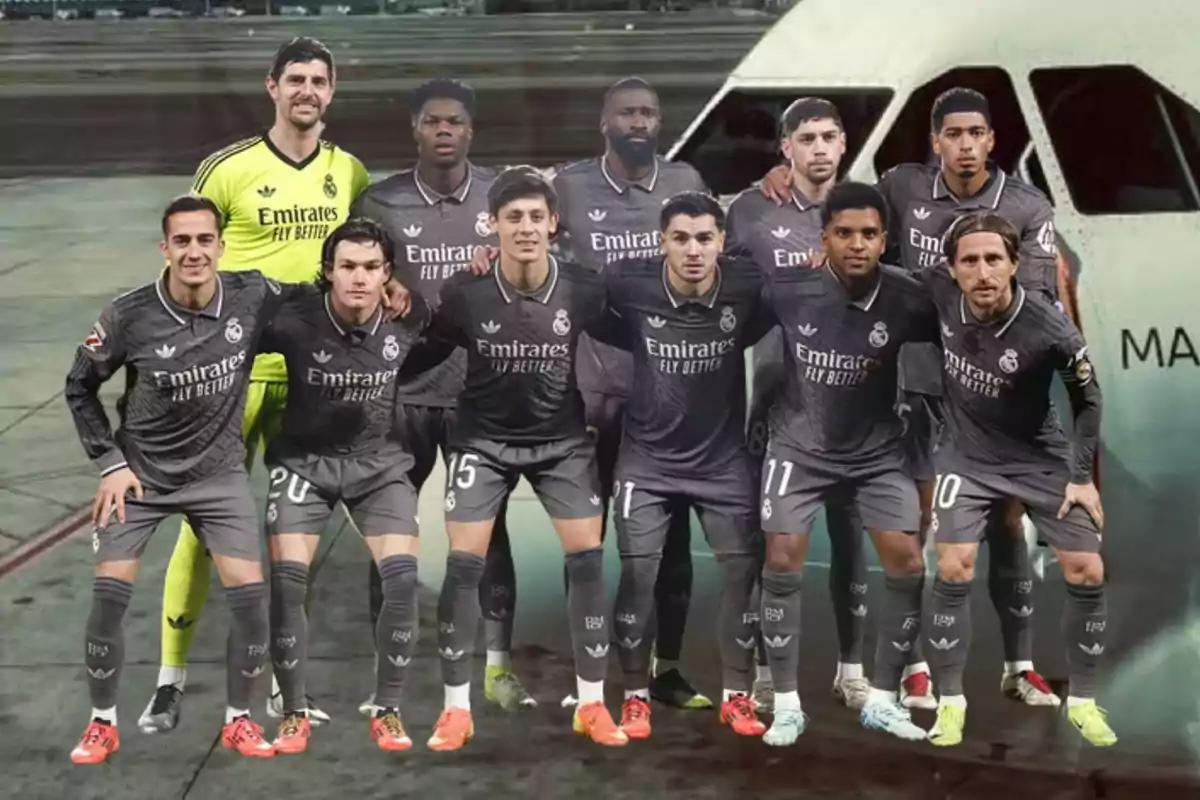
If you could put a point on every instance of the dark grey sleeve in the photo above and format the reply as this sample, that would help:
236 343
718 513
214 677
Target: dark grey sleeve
1078 376
440 337
735 236
1039 251
562 239
100 356
763 320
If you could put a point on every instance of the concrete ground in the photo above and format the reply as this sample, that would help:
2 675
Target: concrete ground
54 279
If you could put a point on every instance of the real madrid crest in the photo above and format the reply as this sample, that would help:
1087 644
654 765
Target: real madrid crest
391 348
879 335
728 320
561 325
482 226
330 187
233 331
1009 362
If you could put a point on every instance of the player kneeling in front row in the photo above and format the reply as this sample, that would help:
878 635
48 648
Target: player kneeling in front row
520 414
1001 348
835 436
187 343
343 358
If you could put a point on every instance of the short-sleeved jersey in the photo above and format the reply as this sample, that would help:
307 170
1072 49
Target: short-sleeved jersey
521 347
341 376
278 211
436 237
185 379
775 237
687 417
999 414
841 355
923 210
604 219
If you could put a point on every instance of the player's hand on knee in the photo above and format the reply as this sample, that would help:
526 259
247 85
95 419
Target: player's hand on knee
397 299
481 262
1086 496
111 496
777 184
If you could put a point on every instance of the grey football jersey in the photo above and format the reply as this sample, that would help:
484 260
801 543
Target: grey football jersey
923 210
841 355
521 348
603 219
688 416
341 377
436 237
999 414
775 237
185 379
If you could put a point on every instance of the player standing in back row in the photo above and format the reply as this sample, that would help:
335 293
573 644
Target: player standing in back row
280 195
788 236
610 210
924 200
437 214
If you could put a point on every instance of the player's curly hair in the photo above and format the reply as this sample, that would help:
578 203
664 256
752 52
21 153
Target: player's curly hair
981 222
361 231
441 89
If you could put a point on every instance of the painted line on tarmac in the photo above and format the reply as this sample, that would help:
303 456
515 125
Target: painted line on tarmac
47 539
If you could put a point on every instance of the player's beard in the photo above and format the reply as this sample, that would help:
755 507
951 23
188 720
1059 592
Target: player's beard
634 154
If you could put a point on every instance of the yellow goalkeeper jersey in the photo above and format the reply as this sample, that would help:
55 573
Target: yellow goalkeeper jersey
278 211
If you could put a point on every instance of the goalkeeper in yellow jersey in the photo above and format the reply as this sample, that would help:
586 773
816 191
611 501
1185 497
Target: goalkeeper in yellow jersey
281 194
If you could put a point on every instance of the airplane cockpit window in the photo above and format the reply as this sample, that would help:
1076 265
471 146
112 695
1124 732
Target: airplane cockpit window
908 140
1126 144
738 141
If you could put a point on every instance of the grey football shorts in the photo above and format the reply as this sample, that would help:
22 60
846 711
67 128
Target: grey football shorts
481 474
375 490
725 503
795 485
963 504
220 510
